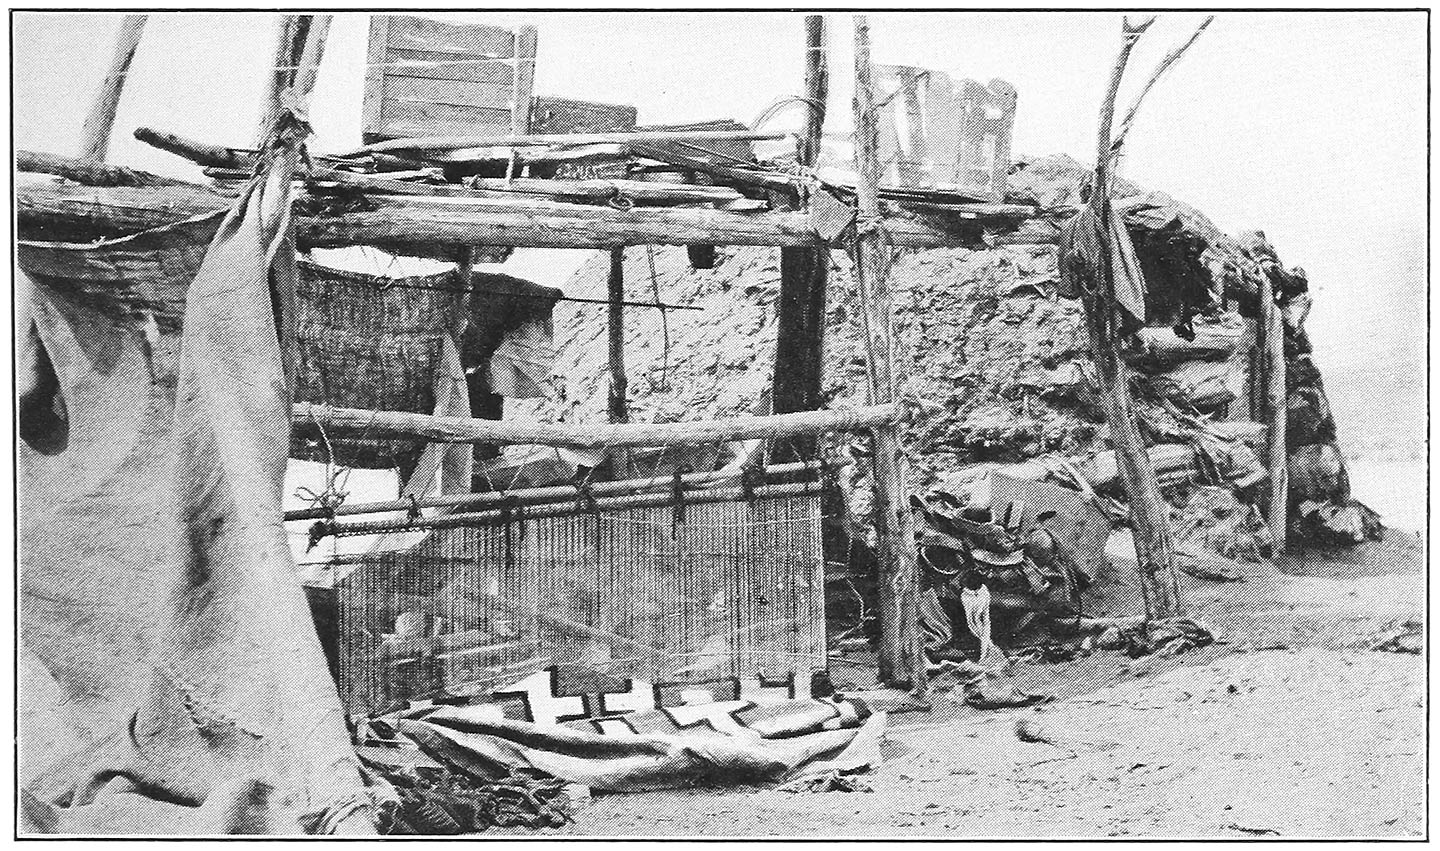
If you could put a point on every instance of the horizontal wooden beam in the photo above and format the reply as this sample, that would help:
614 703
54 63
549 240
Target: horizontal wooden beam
642 191
326 528
398 424
90 172
60 212
555 493
216 156
451 143
50 211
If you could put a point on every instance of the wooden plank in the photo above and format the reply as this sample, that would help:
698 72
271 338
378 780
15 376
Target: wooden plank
404 425
411 33
95 136
527 42
487 95
901 656
439 65
564 115
404 118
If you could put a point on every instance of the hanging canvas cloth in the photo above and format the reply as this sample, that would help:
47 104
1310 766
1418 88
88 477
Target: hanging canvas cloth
239 728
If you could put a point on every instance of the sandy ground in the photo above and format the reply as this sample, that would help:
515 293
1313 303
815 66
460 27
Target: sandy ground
1291 727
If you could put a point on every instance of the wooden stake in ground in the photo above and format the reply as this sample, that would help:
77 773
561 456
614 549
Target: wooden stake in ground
1149 514
902 658
1272 354
800 334
95 138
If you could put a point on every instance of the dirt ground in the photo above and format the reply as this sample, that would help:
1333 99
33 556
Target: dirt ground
1289 726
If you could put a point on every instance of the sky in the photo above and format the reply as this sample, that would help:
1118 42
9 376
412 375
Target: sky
1311 126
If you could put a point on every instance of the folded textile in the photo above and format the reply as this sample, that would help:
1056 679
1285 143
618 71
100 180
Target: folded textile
734 741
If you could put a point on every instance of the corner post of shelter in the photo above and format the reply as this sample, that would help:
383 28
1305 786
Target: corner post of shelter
1274 412
800 332
95 137
901 658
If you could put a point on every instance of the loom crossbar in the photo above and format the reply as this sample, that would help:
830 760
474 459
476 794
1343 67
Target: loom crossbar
400 424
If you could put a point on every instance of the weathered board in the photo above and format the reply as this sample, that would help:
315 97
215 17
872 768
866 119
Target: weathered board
563 115
430 78
944 134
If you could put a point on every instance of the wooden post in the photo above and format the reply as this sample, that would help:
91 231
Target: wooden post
619 382
902 657
800 333
1272 357
1149 514
457 471
290 67
95 138
289 42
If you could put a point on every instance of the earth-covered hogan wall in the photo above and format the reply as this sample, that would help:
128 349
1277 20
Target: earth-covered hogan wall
996 364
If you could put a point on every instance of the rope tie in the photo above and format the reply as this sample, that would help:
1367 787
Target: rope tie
619 200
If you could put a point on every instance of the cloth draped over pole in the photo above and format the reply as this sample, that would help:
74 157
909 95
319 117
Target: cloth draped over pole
239 729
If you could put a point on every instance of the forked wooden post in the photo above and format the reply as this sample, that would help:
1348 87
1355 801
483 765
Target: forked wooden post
1149 513
902 658
95 138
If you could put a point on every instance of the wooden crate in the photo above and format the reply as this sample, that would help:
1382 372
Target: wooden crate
486 91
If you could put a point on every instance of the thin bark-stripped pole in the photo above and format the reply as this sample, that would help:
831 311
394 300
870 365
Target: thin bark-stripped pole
407 425
1272 348
1148 511
902 657
314 52
95 138
289 44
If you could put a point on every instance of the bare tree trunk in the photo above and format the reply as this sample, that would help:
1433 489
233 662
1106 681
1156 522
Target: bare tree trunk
1149 513
902 658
